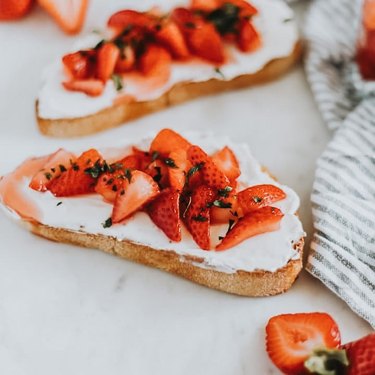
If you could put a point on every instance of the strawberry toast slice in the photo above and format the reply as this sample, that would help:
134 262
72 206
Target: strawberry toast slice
147 60
200 207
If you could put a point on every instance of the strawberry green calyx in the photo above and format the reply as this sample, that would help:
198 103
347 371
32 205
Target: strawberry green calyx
325 361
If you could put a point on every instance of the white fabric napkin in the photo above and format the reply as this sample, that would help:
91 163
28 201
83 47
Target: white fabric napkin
343 249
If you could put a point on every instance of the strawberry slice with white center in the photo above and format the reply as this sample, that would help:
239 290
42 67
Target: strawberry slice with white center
137 190
57 163
211 174
266 219
69 14
259 196
164 211
91 87
227 162
177 175
291 338
108 55
197 216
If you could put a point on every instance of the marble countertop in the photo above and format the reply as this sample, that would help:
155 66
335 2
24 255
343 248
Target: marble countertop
65 310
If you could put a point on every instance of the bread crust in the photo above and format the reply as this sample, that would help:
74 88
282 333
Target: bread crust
182 92
244 283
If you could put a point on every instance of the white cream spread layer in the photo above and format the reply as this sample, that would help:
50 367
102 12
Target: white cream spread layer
268 252
278 32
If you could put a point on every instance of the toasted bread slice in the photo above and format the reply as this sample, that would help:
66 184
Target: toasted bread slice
182 92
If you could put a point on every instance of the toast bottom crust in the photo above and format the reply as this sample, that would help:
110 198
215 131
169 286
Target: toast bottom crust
120 113
254 284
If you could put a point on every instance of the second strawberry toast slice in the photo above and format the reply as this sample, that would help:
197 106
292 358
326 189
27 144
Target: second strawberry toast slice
199 207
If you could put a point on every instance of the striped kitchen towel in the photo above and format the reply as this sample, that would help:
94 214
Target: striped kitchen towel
343 248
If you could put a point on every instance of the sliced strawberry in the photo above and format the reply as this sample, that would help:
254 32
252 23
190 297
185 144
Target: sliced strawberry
167 141
225 207
144 158
79 65
171 38
204 41
158 171
77 179
164 211
197 217
211 174
177 176
134 195
109 184
70 15
57 163
227 162
361 355
248 38
266 219
205 5
13 9
126 60
259 196
91 87
126 19
155 61
291 338
184 19
108 55
129 162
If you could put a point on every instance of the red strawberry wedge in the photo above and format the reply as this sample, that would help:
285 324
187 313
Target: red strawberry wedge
107 58
77 179
91 87
259 196
266 219
227 162
248 39
177 175
78 64
197 216
13 9
57 163
135 194
164 211
212 175
291 338
155 61
167 141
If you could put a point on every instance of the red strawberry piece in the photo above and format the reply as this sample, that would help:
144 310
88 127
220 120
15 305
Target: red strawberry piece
109 184
197 217
108 55
91 87
126 60
225 207
248 37
69 15
155 61
246 9
159 172
211 174
177 175
56 164
361 355
266 219
77 179
205 5
184 19
204 41
130 18
227 162
79 65
144 158
259 196
134 195
167 141
291 338
13 9
164 211
171 38
129 162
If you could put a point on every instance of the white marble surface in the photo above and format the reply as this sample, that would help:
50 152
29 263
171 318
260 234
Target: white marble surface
64 310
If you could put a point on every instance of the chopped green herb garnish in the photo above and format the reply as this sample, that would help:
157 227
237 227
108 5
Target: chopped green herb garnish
62 168
96 170
225 192
155 155
53 170
158 175
114 188
107 223
48 175
287 20
170 163
110 181
99 44
190 25
221 204
128 174
219 72
225 18
58 204
193 170
200 218
117 81
257 199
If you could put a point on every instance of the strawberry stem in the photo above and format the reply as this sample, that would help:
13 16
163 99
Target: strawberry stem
325 361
